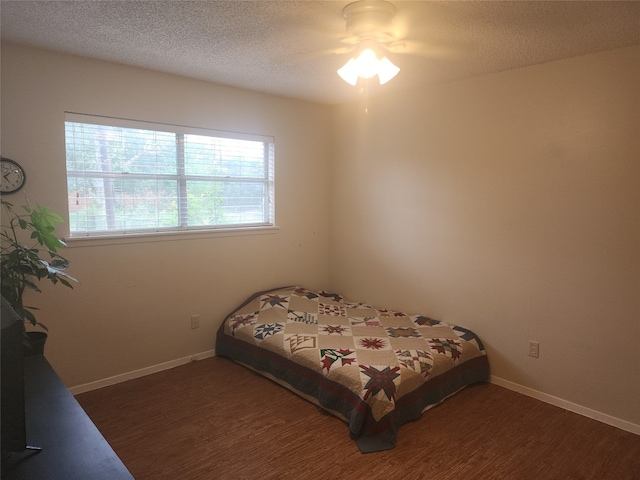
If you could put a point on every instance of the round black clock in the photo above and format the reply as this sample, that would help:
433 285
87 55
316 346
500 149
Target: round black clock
13 176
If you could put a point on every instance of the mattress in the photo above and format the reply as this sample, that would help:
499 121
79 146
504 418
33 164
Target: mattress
373 367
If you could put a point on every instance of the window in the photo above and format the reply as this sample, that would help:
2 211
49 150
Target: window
126 177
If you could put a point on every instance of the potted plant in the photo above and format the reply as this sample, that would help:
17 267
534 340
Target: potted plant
29 253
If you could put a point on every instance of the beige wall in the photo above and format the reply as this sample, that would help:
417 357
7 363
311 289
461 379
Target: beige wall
133 306
510 204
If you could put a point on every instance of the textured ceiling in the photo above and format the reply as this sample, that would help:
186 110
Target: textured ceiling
288 47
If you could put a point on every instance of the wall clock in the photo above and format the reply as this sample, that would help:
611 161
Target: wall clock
13 176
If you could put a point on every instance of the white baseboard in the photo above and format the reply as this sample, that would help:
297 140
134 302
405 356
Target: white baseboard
572 407
87 387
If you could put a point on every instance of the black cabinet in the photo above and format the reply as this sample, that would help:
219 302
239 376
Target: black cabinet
72 446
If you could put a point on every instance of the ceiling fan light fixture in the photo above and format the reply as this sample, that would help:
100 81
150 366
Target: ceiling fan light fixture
349 72
386 70
368 65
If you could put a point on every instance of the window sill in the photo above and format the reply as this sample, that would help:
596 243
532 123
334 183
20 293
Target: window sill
121 239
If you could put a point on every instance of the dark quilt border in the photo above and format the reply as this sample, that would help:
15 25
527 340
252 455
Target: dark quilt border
370 435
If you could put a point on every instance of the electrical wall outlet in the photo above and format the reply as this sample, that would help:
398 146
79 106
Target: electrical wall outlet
195 321
534 349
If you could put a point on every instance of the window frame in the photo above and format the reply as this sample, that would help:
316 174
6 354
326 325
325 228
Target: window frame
181 178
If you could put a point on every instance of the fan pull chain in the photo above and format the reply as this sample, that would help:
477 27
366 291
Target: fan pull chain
366 96
364 90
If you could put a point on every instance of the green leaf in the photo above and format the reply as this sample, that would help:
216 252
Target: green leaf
23 265
31 285
60 263
42 325
44 222
64 282
28 316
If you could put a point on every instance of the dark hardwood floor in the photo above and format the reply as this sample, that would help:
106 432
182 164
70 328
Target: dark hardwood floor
214 419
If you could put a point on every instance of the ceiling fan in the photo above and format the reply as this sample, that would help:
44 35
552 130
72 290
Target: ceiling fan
375 28
370 29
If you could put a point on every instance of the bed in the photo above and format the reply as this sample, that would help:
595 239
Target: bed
374 368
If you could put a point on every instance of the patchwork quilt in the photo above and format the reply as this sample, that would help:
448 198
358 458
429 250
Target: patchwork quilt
375 368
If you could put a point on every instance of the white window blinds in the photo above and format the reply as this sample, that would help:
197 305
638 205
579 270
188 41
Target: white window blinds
128 176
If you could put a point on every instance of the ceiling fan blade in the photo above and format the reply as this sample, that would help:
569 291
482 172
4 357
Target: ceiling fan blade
301 57
351 40
426 14
427 29
428 48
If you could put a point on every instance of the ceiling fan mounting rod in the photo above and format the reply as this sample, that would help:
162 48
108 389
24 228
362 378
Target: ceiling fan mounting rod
369 18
